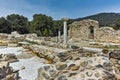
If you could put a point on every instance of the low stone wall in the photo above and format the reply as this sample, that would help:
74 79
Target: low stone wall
107 34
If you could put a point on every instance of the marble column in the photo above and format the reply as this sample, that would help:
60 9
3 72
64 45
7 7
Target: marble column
59 39
65 32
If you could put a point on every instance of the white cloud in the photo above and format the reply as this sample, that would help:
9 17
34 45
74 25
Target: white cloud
12 6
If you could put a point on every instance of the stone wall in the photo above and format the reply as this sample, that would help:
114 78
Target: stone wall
81 29
108 34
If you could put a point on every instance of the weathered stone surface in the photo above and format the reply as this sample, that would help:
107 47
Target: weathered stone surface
61 66
32 36
107 66
2 74
119 62
115 54
8 57
64 56
47 67
84 64
45 75
74 47
7 73
91 67
72 74
74 68
52 72
3 36
22 67
62 77
89 73
82 75
70 66
105 51
97 75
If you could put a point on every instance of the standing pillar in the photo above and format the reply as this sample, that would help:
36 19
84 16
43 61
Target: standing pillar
59 37
65 32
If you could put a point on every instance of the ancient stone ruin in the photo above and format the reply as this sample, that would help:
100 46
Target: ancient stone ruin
83 30
89 29
108 34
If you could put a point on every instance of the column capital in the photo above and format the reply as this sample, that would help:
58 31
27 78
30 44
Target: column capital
65 19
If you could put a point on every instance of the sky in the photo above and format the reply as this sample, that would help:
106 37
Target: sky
58 8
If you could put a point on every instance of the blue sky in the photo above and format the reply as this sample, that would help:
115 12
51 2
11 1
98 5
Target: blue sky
58 8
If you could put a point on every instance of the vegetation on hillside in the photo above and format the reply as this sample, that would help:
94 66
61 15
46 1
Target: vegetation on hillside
104 19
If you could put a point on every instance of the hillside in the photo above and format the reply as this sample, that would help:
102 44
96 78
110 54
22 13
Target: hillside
105 19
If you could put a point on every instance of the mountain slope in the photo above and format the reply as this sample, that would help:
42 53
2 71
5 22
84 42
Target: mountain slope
104 19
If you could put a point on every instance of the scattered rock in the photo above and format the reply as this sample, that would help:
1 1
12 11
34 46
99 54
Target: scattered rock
97 75
45 75
8 57
91 67
89 73
22 67
52 72
46 68
71 65
84 64
61 66
115 54
105 51
72 74
74 47
82 75
107 66
62 77
74 68
118 62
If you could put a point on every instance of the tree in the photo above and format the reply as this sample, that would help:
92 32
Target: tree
57 26
41 24
4 26
18 23
117 25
